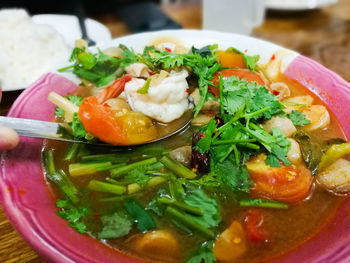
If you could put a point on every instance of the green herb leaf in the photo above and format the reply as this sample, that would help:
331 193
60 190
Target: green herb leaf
298 118
76 51
250 61
238 93
144 220
153 204
103 68
235 177
280 149
203 145
204 254
139 174
77 127
73 215
128 58
115 225
59 113
209 206
75 99
87 60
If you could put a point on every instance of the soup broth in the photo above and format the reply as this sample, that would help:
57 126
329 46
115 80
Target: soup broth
285 229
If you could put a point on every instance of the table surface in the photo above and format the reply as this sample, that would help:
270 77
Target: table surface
323 35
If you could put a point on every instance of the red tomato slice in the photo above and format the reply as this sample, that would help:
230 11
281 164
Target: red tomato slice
100 121
254 220
127 128
288 183
241 73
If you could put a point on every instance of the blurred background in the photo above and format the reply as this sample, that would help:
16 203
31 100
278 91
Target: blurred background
319 29
315 28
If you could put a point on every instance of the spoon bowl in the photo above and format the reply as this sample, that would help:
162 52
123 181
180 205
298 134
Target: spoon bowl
58 131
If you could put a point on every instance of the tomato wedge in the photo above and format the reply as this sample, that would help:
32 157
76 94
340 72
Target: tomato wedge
126 128
241 73
100 121
231 59
288 183
253 221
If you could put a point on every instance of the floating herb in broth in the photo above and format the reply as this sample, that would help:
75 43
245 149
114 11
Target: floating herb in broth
243 186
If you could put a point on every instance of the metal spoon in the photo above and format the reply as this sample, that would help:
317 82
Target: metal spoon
50 130
81 18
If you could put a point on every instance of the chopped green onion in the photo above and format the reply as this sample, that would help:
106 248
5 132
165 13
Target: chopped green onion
125 169
118 198
187 221
111 157
263 203
65 185
49 162
177 168
76 169
187 208
72 151
103 187
135 187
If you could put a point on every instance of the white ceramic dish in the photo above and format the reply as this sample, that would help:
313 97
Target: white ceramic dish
297 5
68 27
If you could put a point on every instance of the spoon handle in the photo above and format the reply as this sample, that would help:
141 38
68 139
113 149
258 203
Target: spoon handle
34 128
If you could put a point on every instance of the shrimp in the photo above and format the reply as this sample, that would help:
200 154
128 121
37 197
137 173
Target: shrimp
113 90
318 116
336 177
284 124
280 90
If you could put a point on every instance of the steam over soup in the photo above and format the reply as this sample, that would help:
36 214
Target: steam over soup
262 168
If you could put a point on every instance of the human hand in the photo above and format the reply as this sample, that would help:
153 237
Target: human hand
8 138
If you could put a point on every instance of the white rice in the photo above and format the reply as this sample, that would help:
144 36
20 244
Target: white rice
27 50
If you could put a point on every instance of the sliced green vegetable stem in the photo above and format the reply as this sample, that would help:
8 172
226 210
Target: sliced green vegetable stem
135 187
118 198
125 169
103 187
111 157
49 162
249 145
177 168
175 214
76 169
65 185
72 151
263 203
188 208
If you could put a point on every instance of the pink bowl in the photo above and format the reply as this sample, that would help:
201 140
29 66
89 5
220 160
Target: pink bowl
30 207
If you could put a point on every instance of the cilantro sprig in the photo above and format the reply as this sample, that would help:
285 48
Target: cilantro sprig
298 118
244 105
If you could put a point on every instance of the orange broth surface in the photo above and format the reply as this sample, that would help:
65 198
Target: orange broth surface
286 229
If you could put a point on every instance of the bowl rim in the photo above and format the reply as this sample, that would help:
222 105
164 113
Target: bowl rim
23 215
